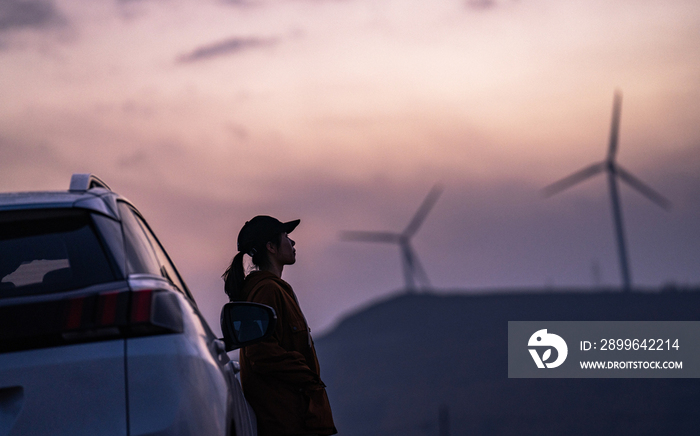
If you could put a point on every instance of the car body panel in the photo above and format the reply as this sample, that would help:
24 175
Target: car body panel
68 390
175 384
104 203
98 204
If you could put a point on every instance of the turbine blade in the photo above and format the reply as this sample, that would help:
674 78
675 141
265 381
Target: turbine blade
615 125
360 236
642 188
423 211
569 181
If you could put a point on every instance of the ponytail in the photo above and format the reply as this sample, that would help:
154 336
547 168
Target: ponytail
233 279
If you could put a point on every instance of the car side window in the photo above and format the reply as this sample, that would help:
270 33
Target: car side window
140 257
167 269
111 232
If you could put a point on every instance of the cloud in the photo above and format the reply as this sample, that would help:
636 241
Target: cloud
481 4
36 14
226 47
255 3
17 152
242 2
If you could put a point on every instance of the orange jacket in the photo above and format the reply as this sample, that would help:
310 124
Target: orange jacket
280 376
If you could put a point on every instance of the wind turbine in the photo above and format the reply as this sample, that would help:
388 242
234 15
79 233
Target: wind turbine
614 172
412 270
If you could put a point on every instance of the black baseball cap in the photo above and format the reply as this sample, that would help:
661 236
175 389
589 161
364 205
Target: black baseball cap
260 230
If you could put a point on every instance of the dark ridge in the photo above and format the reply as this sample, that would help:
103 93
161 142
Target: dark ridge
390 366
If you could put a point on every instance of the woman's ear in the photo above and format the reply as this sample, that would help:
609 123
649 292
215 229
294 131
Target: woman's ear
271 248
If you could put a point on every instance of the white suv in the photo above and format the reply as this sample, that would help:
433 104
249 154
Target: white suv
99 334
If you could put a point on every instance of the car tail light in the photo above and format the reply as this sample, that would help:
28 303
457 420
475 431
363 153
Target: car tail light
154 311
141 306
97 316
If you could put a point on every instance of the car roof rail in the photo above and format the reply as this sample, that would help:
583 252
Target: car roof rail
83 182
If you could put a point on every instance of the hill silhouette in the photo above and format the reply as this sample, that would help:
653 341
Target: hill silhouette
390 367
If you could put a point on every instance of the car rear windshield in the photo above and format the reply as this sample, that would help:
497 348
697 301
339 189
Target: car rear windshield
50 251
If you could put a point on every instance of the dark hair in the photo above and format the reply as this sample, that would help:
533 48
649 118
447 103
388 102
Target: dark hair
235 275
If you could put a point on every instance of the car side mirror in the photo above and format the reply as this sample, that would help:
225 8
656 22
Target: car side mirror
244 323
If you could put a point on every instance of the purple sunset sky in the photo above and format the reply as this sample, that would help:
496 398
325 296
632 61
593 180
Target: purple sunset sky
346 113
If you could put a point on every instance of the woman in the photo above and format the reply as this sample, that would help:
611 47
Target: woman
280 376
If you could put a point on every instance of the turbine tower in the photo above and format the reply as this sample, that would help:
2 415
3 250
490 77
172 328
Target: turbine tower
614 172
412 270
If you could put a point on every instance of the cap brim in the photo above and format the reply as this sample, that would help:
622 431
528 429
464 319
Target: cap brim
290 226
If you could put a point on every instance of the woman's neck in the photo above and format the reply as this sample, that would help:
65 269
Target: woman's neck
274 269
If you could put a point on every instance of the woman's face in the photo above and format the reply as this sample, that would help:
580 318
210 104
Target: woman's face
286 253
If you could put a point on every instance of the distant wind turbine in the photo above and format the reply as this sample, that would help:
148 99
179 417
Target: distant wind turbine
412 269
614 171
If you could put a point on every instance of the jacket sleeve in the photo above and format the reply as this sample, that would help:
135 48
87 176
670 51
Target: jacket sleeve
270 357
